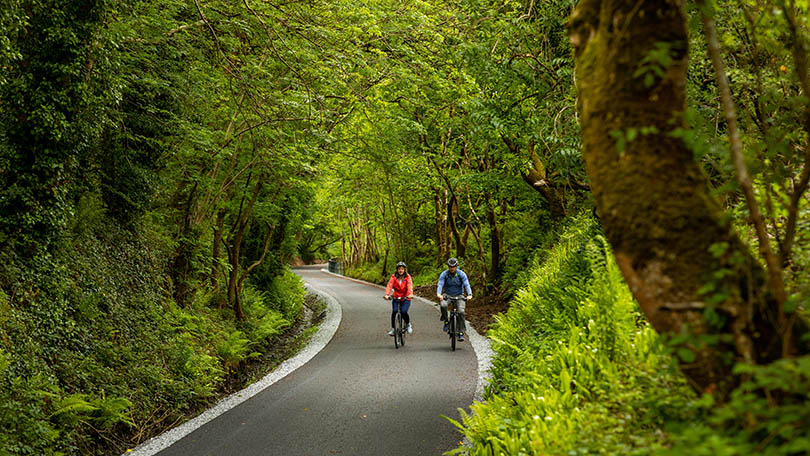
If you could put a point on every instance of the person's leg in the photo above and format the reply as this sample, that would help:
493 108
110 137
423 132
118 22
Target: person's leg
405 306
461 306
443 307
393 312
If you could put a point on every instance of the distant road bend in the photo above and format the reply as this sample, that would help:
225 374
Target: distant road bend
359 395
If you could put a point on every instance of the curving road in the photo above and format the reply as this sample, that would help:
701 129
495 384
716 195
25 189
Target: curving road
359 396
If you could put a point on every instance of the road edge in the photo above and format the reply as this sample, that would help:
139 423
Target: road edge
319 340
480 344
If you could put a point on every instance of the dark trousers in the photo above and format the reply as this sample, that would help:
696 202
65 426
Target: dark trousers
404 304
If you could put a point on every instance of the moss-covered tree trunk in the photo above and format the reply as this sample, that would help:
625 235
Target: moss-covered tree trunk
688 270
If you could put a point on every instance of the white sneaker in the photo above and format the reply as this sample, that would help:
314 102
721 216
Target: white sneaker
391 333
410 328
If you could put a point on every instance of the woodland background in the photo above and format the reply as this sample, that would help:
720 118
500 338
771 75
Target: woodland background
162 163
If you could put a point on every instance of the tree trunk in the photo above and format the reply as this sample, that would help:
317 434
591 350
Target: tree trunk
474 228
181 267
387 235
440 253
343 249
235 252
465 236
233 259
448 236
452 210
216 251
257 263
668 234
495 243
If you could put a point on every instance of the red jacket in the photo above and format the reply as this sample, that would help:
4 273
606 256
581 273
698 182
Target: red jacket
402 288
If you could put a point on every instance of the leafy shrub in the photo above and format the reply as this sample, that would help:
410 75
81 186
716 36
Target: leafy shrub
370 272
89 213
263 322
768 414
287 294
423 273
233 349
26 427
270 325
531 238
428 275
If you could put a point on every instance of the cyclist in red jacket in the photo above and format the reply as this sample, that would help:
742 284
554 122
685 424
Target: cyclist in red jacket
400 286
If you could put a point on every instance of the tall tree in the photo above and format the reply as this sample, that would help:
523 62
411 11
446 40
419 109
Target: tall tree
684 263
49 116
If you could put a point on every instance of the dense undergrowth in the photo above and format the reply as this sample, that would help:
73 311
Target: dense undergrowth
95 355
578 370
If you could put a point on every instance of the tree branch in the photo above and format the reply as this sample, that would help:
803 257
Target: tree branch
799 187
775 278
261 259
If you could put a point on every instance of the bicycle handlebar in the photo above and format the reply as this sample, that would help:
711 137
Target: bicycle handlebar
445 297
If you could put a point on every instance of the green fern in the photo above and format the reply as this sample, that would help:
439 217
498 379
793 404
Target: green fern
101 412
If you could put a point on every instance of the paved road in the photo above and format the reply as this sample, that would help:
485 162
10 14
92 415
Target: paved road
359 396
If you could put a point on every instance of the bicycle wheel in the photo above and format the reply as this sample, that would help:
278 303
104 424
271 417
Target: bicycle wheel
452 331
397 329
402 332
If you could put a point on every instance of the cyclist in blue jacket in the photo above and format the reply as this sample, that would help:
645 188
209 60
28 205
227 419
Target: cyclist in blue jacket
454 283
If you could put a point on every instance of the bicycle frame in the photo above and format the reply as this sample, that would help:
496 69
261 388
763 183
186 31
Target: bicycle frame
452 317
399 324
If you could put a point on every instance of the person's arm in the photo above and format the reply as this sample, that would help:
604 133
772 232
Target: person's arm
410 286
466 283
389 287
440 286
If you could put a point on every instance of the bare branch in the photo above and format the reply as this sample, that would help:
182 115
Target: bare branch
775 278
800 60
213 32
258 262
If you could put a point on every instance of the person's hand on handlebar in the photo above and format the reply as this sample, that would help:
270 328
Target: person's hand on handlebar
386 297
410 297
440 297
469 297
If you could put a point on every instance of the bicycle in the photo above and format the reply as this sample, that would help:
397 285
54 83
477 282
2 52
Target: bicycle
399 325
452 318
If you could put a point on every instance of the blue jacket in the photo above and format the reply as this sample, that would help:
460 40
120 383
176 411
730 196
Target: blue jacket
453 284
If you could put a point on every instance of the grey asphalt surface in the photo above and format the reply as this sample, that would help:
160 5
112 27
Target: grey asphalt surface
359 395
